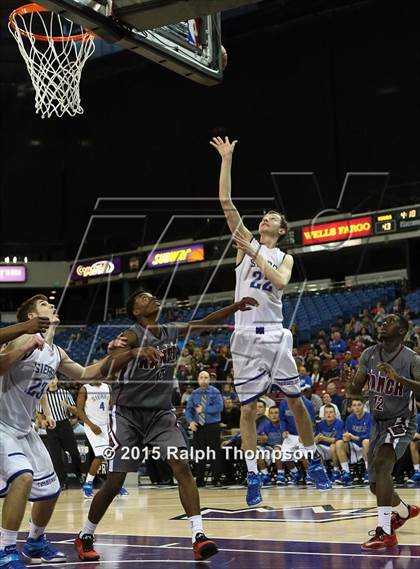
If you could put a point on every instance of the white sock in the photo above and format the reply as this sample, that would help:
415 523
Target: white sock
88 529
7 537
264 471
337 468
294 470
90 478
401 509
384 518
280 471
35 531
345 466
251 464
367 466
196 523
416 467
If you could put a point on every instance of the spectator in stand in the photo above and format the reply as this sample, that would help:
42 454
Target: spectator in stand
308 392
348 331
328 432
316 375
230 415
335 397
365 338
228 392
185 358
323 351
310 358
295 334
379 314
337 344
305 379
274 441
354 444
203 413
326 400
322 337
187 394
398 306
349 360
223 364
365 322
415 338
291 442
333 372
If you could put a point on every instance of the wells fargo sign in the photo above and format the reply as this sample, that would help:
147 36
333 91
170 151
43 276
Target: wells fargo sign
337 230
182 255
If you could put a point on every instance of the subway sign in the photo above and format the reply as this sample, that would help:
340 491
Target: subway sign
181 255
341 230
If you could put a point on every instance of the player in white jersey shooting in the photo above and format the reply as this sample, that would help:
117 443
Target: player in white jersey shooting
28 365
261 347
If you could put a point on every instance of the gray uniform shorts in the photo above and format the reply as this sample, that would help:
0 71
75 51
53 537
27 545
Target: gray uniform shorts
398 432
135 434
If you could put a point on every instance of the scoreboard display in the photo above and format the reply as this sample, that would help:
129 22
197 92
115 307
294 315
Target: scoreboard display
397 220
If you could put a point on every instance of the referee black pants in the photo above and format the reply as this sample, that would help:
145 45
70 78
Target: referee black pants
208 437
62 439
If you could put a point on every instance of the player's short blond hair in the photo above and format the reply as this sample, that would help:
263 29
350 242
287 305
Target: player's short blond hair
28 306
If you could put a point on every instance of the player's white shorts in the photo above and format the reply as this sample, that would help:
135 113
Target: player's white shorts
356 452
262 358
20 454
324 451
97 442
291 446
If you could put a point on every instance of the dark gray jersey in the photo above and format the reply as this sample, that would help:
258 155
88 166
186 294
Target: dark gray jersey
390 399
144 384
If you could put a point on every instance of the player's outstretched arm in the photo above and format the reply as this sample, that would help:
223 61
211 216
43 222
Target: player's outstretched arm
17 349
33 326
225 149
216 318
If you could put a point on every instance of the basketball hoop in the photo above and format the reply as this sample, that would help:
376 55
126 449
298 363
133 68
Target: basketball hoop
55 51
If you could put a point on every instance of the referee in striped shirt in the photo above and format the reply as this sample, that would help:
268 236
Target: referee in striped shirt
62 438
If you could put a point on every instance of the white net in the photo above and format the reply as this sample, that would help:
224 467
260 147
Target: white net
55 51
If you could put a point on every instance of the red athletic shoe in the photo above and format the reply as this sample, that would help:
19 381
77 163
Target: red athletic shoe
380 540
203 547
397 521
85 549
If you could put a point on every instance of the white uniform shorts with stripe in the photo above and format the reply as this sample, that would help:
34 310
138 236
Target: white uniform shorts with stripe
324 451
292 449
97 442
262 359
21 454
355 452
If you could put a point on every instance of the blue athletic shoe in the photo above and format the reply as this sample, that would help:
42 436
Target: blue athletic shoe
87 490
123 492
414 480
366 477
309 481
318 474
346 479
265 479
40 551
9 558
253 494
295 477
280 479
336 476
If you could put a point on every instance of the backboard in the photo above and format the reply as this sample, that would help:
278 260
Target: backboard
182 36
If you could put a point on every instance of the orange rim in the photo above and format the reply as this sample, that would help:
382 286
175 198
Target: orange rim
34 8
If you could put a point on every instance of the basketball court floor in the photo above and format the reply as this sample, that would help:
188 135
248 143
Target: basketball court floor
298 528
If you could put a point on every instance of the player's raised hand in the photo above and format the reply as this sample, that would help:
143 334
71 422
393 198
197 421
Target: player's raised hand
246 303
119 342
34 343
224 147
151 354
388 370
37 324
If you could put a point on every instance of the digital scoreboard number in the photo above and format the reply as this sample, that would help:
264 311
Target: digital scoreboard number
397 220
